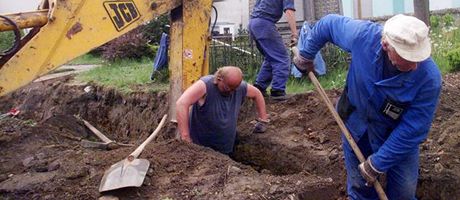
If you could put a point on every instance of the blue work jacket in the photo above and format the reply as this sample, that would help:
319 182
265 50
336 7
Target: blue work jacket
415 92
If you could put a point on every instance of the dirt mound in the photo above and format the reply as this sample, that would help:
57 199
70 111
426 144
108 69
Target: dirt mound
299 157
440 154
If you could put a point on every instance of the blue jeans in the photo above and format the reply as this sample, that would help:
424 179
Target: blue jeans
275 67
320 65
401 178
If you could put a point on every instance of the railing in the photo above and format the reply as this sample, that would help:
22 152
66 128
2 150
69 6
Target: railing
241 52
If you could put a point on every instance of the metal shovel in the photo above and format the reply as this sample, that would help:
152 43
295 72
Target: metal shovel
131 171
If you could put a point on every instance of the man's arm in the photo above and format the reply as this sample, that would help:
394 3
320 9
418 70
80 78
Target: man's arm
290 16
339 30
254 93
188 98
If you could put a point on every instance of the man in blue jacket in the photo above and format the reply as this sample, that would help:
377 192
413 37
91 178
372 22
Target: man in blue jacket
389 100
275 67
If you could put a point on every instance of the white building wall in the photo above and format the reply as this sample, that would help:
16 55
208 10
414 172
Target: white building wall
440 4
14 6
386 7
347 8
232 11
381 8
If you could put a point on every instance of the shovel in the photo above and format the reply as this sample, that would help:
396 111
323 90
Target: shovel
343 128
131 171
107 143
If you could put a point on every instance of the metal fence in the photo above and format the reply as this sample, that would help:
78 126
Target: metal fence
236 51
241 51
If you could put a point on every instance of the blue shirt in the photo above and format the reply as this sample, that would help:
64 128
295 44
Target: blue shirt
213 124
372 84
271 10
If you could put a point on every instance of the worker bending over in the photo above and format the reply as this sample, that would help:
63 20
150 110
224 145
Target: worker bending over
216 101
388 103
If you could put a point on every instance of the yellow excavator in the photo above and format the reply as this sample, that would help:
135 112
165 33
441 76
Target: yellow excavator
61 30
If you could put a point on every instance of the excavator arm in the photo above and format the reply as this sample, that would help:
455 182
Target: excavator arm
65 29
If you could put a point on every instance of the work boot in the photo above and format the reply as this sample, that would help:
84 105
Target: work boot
278 95
263 91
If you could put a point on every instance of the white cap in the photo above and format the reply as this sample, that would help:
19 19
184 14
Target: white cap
409 36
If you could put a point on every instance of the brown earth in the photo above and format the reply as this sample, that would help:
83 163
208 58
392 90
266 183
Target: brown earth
300 157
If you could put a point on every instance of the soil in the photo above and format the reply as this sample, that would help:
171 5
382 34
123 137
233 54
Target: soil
299 157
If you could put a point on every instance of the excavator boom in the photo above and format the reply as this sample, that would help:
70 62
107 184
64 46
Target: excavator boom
66 29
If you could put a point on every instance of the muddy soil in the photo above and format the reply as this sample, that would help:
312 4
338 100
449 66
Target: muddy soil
300 157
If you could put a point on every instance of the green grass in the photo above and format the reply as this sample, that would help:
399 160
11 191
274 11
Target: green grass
334 79
126 76
87 59
443 41
445 36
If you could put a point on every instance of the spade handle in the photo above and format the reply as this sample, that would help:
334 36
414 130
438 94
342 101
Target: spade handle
351 141
139 149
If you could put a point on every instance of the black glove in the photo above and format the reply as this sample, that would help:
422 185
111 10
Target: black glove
302 64
261 126
369 173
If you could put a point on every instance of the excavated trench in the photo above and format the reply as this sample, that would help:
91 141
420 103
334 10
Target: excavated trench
299 157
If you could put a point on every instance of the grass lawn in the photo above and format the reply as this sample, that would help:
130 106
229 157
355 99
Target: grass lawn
87 59
126 75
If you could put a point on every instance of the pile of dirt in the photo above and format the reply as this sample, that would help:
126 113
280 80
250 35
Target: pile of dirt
440 154
299 157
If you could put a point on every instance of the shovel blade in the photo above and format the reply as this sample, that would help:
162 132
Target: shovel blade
124 174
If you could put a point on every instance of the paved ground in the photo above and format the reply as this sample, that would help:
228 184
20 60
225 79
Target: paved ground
65 70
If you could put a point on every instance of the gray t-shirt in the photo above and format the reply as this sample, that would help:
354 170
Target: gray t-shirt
213 124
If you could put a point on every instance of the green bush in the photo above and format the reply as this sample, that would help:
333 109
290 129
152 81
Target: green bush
448 20
6 40
435 21
453 56
132 45
153 48
335 57
153 30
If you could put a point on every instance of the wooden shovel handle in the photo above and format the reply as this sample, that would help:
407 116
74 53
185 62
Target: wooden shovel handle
139 149
99 134
351 141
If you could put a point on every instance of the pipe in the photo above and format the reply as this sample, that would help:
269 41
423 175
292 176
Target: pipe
25 20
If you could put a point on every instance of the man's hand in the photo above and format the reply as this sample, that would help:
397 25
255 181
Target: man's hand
294 39
261 126
302 64
369 173
186 138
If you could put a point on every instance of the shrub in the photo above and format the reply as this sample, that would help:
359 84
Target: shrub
153 30
435 21
131 45
335 57
448 20
6 40
453 56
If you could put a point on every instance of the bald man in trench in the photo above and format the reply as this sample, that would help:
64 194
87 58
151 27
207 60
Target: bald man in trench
216 101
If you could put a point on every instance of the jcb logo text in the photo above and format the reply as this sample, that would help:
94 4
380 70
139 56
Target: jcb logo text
122 13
